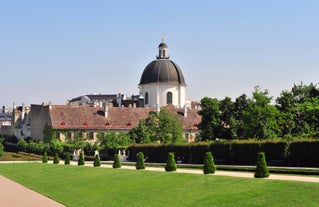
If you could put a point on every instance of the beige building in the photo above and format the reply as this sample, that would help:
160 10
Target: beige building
87 121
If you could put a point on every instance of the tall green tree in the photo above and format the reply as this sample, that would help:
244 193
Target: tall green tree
164 127
210 123
240 105
111 140
169 127
260 118
228 128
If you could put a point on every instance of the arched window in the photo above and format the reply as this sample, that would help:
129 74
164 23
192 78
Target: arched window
169 98
146 98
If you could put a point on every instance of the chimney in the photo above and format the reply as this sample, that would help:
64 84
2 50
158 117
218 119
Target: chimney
23 111
106 109
185 110
119 99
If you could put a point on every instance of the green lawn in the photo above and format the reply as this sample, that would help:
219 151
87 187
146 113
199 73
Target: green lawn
88 186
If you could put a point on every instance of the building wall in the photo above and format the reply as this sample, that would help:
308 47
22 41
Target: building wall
157 93
40 117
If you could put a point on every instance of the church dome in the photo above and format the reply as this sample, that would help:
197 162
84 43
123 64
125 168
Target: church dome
162 70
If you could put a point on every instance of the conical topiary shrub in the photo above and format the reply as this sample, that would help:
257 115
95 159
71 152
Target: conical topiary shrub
56 159
116 163
97 162
209 165
171 163
45 157
261 166
67 158
140 161
81 159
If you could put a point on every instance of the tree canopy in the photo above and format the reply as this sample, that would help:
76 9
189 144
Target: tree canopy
294 114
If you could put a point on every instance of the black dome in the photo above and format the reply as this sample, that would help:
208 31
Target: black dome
162 71
163 45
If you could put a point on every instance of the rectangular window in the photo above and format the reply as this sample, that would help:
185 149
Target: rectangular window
91 135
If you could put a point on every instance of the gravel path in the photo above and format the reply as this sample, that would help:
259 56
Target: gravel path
13 194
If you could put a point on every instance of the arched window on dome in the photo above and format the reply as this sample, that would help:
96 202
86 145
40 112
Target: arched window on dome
169 98
146 98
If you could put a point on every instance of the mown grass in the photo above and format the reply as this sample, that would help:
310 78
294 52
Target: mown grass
88 186
20 156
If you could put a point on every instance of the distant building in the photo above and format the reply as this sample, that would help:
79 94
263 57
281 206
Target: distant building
162 82
20 121
87 121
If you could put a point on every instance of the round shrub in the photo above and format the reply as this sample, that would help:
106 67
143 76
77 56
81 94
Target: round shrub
56 159
140 161
261 166
209 165
171 163
81 159
67 158
116 163
97 162
45 157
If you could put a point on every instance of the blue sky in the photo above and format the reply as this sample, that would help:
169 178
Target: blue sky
58 50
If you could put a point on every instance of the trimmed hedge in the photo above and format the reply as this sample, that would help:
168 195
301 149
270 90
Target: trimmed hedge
304 153
261 166
140 165
117 163
171 163
279 153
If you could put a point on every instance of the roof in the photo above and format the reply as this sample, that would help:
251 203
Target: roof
118 118
162 71
163 45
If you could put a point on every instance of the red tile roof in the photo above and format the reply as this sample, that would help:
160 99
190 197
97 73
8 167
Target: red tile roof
120 118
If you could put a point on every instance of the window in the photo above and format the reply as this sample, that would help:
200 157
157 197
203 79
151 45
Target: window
57 135
91 135
146 98
169 98
69 135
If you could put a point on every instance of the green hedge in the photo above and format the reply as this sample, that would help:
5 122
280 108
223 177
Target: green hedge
280 153
304 153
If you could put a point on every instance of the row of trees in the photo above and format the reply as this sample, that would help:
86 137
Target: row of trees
294 114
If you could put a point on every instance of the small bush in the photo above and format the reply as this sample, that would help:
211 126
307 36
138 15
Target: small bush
171 163
56 159
67 158
1 150
45 157
116 163
81 159
140 161
97 162
209 165
261 166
